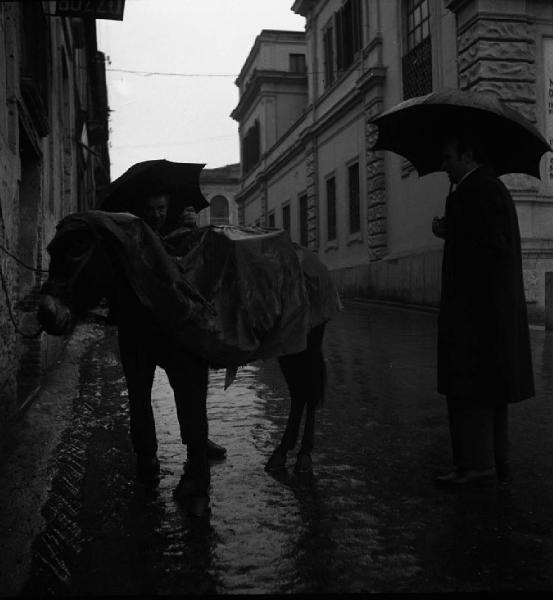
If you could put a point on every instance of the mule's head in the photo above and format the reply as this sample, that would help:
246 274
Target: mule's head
79 276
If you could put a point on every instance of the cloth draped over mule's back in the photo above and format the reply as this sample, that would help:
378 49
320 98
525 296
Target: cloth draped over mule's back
231 294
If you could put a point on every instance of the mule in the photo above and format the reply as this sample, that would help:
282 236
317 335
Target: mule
95 255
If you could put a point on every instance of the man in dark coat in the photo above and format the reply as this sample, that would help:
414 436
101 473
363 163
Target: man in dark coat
484 359
141 352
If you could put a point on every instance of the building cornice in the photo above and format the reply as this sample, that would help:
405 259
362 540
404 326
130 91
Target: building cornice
267 35
303 7
299 144
260 78
373 77
456 5
370 79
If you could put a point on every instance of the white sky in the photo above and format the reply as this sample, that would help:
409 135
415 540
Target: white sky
180 118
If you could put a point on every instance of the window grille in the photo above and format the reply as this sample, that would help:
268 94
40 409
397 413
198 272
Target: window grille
286 217
303 220
331 209
297 63
349 33
417 61
328 44
354 200
251 147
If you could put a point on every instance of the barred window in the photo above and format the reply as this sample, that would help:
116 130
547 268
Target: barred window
342 40
417 61
349 33
303 220
354 200
251 147
271 219
328 49
297 63
286 217
331 209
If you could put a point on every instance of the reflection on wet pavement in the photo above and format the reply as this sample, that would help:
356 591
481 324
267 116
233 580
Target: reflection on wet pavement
368 519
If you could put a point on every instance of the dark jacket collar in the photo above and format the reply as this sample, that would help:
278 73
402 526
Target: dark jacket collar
482 171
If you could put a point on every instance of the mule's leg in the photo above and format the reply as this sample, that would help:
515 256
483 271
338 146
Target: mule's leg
139 368
305 374
314 372
288 366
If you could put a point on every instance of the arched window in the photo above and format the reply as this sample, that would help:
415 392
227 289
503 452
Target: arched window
219 212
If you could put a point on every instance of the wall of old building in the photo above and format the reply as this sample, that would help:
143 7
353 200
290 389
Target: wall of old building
502 47
506 48
220 182
53 161
284 189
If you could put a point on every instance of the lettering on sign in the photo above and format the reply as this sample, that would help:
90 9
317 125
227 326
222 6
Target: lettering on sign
98 9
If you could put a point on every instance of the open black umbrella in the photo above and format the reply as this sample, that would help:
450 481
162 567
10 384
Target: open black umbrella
180 181
416 129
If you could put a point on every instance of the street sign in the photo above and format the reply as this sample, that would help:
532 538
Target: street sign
98 9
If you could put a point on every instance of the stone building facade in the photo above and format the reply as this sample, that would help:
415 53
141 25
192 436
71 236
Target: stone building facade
368 214
53 161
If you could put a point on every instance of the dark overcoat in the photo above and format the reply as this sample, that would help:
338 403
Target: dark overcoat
483 338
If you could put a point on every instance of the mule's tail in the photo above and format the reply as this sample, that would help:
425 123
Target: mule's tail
318 366
324 382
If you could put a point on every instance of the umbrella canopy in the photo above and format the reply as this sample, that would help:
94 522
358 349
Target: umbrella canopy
416 129
180 181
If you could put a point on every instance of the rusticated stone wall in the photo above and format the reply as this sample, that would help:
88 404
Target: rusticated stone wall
311 162
498 56
376 186
497 52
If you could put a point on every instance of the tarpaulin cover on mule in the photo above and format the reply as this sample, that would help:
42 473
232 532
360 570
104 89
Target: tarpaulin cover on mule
263 294
267 291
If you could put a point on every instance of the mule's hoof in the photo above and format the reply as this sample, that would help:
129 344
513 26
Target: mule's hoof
276 462
304 464
186 488
215 452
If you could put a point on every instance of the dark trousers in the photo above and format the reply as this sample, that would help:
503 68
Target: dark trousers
479 434
188 376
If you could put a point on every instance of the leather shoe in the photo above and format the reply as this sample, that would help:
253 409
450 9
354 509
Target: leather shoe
147 466
464 477
215 451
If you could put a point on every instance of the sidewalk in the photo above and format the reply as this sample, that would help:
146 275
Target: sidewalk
27 465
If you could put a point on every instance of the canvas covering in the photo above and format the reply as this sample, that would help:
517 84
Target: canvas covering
231 294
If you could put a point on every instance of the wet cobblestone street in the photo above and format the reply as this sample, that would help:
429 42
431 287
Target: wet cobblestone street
368 519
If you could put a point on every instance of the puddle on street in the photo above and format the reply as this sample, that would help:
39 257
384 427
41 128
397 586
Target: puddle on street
368 519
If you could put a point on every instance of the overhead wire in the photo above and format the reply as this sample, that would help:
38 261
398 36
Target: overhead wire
175 74
169 74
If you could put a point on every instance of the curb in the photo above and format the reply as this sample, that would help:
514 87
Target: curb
30 465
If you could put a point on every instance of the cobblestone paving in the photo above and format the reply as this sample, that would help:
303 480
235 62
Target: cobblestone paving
367 520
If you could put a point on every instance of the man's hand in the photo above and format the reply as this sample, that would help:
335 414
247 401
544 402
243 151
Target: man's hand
439 227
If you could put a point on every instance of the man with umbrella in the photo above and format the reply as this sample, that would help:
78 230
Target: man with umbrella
162 194
484 359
